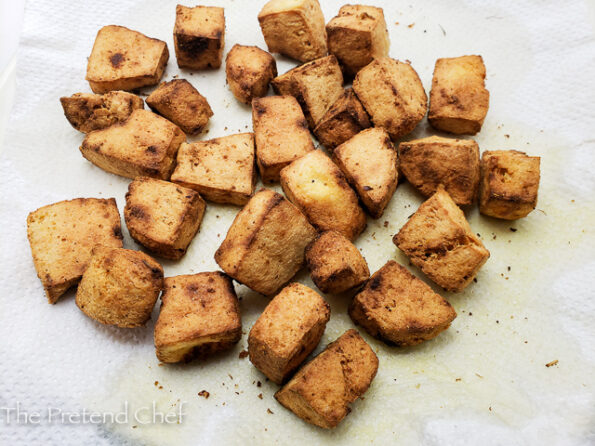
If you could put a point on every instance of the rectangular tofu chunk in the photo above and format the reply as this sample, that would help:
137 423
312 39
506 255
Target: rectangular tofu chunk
287 331
249 71
199 316
320 392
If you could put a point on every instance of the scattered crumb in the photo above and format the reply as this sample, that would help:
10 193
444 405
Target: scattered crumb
156 383
411 25
258 384
458 379
470 314
443 31
507 136
397 23
478 375
386 223
270 411
260 395
204 394
513 229
243 354
552 363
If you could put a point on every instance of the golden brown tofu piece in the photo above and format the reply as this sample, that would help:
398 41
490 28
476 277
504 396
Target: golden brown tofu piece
265 244
62 236
509 184
459 100
123 59
294 28
182 104
400 309
144 145
316 85
120 287
369 161
356 36
320 190
281 134
320 392
345 119
87 112
392 94
249 71
199 37
199 316
429 162
222 170
162 216
335 264
287 331
439 241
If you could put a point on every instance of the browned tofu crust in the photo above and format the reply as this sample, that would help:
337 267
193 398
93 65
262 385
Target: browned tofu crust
287 331
249 71
399 308
199 316
320 392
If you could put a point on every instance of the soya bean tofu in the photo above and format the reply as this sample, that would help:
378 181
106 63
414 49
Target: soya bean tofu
120 287
162 216
199 316
343 120
294 28
144 145
287 331
320 392
335 264
62 236
459 100
392 94
265 244
356 36
199 37
319 189
509 184
249 71
182 104
281 134
369 161
123 59
87 112
222 170
316 85
429 162
439 241
399 308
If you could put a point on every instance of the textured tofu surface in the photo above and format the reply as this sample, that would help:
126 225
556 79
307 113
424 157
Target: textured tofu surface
287 331
199 316
249 71
320 392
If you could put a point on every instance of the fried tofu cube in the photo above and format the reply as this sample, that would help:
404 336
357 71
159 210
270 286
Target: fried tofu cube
87 112
222 170
264 247
281 134
459 100
335 264
356 36
400 309
509 184
199 37
345 119
144 145
320 392
392 94
199 316
369 161
182 104
62 236
120 287
320 190
123 59
316 85
249 71
429 162
287 331
294 28
438 240
162 216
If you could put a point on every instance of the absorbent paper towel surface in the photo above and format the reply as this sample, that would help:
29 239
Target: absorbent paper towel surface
483 381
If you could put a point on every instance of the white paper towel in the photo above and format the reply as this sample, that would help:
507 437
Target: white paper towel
484 381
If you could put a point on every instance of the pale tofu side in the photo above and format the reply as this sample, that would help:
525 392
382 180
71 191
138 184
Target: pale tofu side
222 170
249 71
287 331
400 309
199 316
